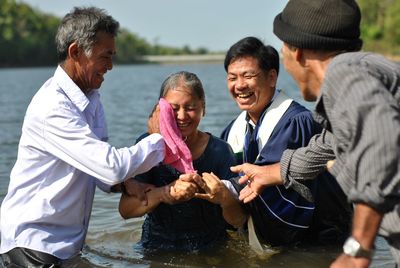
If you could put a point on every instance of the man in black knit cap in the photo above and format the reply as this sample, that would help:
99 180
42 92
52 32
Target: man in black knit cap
357 98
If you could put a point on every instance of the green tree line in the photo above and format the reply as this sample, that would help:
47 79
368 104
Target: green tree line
380 26
27 39
27 35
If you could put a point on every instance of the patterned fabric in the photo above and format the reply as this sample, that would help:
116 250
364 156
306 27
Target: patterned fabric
359 107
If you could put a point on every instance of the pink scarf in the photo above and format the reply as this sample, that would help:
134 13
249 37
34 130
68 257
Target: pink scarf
177 153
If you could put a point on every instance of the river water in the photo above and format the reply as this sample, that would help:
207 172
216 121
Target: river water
128 95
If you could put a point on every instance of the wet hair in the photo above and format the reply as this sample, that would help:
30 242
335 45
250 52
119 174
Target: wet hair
81 25
267 56
187 79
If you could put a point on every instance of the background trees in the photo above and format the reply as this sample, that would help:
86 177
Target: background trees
27 35
380 25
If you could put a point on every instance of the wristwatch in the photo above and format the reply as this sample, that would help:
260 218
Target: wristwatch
353 248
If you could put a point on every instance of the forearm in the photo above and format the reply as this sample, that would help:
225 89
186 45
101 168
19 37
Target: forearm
232 212
307 162
131 206
366 222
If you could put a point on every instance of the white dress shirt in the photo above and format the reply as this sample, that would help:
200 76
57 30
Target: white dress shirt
62 155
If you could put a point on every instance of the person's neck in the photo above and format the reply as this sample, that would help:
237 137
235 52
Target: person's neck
191 140
254 117
319 64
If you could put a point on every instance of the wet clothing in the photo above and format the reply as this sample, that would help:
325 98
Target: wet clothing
359 108
25 257
194 224
281 216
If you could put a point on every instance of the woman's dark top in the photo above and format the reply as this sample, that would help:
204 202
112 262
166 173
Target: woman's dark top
194 224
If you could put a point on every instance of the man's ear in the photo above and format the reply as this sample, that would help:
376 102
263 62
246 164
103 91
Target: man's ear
74 51
273 75
299 56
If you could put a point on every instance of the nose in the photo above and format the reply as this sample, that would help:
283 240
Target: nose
241 82
180 114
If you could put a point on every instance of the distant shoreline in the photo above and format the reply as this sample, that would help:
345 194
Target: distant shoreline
170 59
163 59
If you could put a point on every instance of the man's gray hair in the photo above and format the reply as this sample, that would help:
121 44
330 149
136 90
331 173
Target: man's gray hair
81 26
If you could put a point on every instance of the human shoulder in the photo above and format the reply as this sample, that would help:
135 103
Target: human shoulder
225 133
218 144
357 70
360 63
49 100
296 111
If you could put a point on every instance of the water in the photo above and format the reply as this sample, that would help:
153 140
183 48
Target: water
128 94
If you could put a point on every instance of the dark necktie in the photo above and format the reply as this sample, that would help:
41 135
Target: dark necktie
250 144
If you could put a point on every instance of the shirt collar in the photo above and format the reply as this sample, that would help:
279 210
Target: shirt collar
94 98
319 112
264 111
71 89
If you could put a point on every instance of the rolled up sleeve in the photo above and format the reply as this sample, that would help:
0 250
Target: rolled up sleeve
306 163
366 122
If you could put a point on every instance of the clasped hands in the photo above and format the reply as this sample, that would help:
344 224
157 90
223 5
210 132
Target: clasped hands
187 186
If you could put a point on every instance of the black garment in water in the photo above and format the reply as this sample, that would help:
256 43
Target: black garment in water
24 257
195 224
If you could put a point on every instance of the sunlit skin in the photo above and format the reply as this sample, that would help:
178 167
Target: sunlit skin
251 87
88 71
303 70
189 110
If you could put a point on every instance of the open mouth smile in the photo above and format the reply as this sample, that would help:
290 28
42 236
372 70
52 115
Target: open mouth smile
183 125
245 95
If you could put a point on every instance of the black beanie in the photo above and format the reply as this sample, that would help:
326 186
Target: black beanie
320 24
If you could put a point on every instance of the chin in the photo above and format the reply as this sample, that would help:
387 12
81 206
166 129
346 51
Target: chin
243 107
308 96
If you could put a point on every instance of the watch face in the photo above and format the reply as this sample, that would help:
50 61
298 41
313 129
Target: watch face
351 247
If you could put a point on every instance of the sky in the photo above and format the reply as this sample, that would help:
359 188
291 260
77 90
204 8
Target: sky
211 24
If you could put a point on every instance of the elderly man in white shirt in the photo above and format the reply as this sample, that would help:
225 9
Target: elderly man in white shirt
63 153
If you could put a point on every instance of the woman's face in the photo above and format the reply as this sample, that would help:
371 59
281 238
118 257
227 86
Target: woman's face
188 109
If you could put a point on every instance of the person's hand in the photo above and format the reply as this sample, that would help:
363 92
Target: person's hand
256 178
153 124
345 261
329 164
137 189
193 177
179 191
215 190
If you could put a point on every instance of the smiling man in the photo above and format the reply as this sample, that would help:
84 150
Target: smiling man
357 98
270 123
63 154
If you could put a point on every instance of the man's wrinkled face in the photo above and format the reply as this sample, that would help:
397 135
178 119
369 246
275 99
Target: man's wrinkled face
92 68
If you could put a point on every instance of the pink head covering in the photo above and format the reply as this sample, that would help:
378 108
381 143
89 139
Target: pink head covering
177 153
